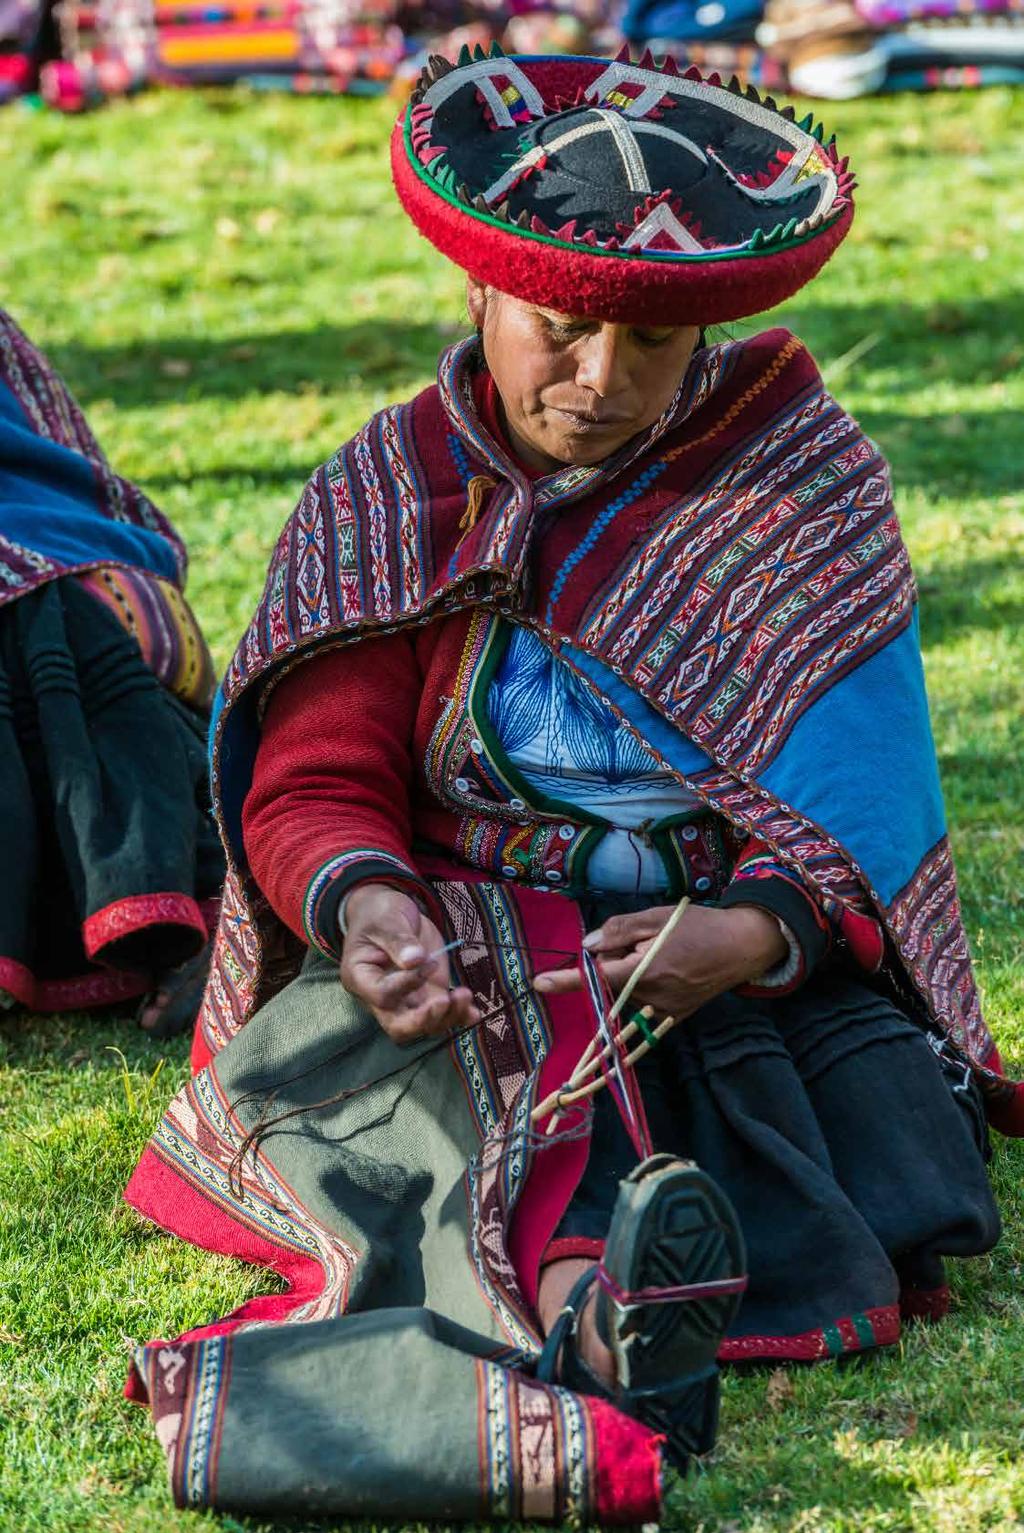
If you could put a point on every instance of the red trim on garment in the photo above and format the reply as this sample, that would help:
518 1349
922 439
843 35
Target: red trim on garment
627 1460
930 1304
569 1247
812 1346
18 981
81 992
166 1199
87 991
556 1168
1004 1105
200 1053
674 1293
124 917
865 939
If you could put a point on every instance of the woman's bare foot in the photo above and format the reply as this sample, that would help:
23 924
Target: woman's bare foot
556 1283
173 1005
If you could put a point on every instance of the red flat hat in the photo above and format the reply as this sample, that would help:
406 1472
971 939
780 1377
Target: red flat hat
624 191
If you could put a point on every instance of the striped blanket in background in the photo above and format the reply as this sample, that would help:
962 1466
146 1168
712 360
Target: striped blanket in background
81 52
21 28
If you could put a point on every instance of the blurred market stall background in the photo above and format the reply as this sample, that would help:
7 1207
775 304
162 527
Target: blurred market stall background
76 53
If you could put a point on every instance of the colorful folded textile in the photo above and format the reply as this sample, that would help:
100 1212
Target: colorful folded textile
924 56
846 48
116 46
896 13
21 29
829 48
691 20
112 47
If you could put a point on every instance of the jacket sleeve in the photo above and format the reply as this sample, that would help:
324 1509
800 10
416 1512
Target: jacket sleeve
328 807
758 879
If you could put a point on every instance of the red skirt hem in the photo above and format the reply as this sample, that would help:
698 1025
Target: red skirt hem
79 992
879 1327
107 985
124 917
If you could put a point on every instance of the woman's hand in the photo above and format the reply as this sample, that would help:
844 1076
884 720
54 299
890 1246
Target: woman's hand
386 964
710 951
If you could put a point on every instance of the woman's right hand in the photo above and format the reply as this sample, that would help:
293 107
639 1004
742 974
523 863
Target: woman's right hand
386 964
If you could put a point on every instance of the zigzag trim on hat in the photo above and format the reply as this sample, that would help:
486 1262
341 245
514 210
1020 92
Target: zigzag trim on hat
723 210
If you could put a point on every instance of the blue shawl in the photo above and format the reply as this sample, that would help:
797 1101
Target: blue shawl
62 508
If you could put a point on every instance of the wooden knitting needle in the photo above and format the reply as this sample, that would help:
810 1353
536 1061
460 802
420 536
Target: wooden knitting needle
629 1032
634 979
586 1066
559 1100
583 1065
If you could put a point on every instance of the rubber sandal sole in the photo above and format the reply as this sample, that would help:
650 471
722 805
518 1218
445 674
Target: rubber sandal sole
672 1226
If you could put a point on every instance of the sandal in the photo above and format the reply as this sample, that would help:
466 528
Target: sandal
180 990
667 1290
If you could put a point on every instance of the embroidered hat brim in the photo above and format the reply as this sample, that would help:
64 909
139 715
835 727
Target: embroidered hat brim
626 191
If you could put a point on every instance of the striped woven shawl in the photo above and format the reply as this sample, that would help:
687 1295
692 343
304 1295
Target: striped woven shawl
736 577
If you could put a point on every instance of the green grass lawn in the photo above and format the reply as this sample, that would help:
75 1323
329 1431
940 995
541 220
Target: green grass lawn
229 288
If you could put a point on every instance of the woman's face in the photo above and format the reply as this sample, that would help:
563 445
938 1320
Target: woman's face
575 390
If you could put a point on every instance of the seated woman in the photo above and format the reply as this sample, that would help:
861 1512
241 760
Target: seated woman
607 618
112 865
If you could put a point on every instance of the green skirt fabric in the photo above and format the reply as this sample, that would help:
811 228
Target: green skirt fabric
400 1385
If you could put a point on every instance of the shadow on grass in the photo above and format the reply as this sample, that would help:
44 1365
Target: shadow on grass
974 340
973 596
69 1042
385 353
286 475
977 453
968 453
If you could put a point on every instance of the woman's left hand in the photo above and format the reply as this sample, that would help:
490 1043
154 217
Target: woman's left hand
710 951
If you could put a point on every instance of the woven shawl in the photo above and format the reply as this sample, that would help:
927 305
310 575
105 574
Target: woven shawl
736 577
62 507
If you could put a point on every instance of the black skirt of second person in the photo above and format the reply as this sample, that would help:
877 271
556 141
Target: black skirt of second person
111 859
851 1143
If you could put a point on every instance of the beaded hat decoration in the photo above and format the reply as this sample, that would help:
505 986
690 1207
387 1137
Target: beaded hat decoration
619 190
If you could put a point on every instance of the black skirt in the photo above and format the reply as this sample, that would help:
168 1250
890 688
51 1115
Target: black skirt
851 1142
111 860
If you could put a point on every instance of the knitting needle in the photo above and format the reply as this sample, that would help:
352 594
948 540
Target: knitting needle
561 1099
628 1033
439 952
636 976
585 1067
